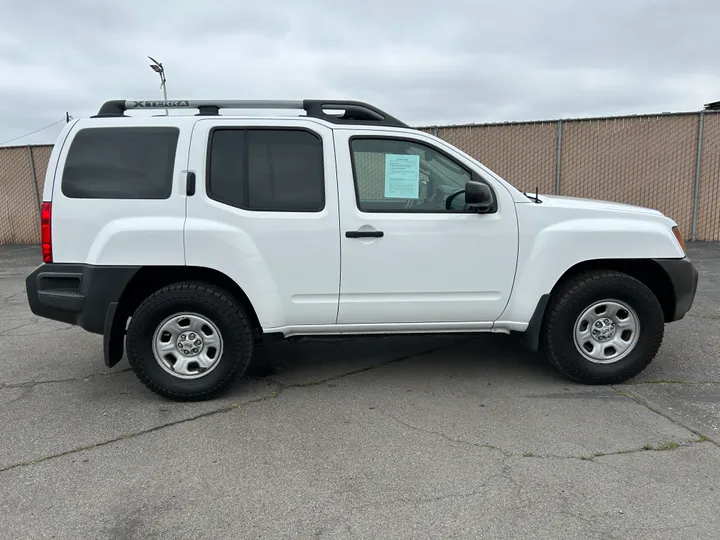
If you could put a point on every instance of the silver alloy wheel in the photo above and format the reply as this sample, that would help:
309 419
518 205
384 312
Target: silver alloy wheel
607 331
187 345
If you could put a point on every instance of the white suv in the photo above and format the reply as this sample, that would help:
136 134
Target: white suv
186 239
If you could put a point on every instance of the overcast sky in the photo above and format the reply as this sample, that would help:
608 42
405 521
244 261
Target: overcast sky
453 61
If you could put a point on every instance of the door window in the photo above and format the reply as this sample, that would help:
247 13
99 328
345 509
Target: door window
398 175
277 170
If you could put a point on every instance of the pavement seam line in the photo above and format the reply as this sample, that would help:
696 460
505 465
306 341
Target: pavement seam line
671 418
273 395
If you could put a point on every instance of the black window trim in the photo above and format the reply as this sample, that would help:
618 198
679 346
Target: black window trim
244 129
170 184
473 175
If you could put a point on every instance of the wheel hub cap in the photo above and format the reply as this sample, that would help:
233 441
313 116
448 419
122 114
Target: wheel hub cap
603 329
607 331
187 345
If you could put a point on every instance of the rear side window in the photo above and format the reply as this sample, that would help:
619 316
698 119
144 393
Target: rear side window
277 170
121 163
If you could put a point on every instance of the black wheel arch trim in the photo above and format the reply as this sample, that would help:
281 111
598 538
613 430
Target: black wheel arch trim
684 278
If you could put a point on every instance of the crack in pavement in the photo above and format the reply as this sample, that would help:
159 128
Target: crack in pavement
281 388
30 384
37 333
523 499
421 500
504 473
668 381
667 416
662 447
708 317
445 436
21 325
231 407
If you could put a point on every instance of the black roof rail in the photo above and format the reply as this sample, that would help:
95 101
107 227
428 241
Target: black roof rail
335 111
714 106
351 112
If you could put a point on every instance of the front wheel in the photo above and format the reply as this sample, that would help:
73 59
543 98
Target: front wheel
602 327
189 341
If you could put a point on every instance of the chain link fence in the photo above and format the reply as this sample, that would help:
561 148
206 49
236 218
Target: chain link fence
22 176
708 204
670 162
524 154
649 161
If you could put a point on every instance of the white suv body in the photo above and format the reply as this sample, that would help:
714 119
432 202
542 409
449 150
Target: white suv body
324 225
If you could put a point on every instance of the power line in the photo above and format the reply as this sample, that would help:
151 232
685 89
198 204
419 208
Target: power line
33 132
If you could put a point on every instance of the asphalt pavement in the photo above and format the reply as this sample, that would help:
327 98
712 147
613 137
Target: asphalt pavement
401 437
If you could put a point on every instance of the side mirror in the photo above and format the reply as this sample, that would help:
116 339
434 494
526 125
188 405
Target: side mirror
479 196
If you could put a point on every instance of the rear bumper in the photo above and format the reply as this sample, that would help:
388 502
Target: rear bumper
684 279
77 294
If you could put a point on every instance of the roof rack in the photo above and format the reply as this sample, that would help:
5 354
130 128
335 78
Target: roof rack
351 112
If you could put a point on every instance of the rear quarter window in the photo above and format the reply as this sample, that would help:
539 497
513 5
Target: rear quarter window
120 163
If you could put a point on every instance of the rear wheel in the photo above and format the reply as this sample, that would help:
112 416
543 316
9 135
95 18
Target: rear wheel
189 341
602 327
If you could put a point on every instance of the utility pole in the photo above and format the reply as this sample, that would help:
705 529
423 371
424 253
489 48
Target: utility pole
158 68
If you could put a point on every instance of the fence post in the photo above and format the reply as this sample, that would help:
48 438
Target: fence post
31 161
558 165
696 200
435 131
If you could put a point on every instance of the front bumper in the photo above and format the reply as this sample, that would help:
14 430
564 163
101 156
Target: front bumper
684 279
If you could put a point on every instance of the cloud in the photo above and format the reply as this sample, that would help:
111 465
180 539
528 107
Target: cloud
458 61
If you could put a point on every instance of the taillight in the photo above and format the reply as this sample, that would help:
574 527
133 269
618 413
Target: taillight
45 233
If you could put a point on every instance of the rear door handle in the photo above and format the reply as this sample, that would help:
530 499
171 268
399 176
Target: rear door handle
364 234
190 186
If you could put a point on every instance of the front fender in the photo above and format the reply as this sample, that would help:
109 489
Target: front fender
545 255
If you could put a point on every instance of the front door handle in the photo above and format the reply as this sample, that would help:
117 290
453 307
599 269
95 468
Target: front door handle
364 234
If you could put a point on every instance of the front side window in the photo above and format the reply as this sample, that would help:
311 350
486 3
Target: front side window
121 163
277 170
397 175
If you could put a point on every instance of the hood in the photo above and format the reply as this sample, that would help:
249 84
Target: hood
577 203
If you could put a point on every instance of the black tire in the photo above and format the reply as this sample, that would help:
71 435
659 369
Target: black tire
579 293
208 301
